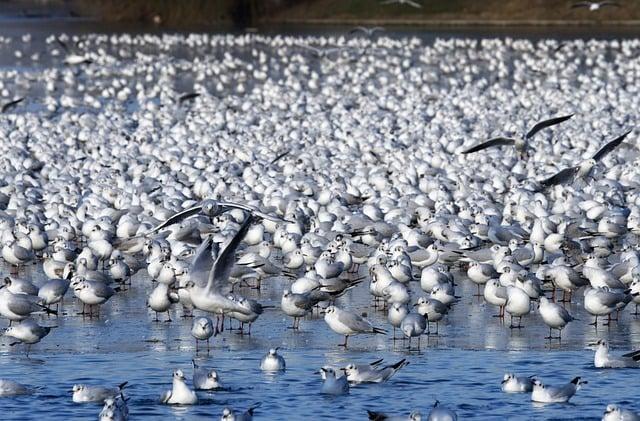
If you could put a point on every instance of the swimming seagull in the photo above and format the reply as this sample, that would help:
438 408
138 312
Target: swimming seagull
519 143
380 416
371 374
441 413
514 384
594 6
229 414
211 208
204 379
615 413
11 388
347 323
332 384
273 361
180 394
603 359
552 394
85 393
582 170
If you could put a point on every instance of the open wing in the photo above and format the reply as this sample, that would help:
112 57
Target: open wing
253 210
219 274
187 97
201 263
547 123
580 4
496 141
176 218
9 105
609 147
561 177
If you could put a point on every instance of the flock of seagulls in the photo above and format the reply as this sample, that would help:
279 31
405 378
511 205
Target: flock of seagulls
342 173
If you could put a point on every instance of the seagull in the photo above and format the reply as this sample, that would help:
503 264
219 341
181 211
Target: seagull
212 297
594 6
440 413
347 323
555 316
180 394
582 170
603 359
11 388
85 393
204 379
368 374
229 414
202 330
401 2
519 143
615 413
273 361
28 332
514 384
212 208
367 31
333 385
552 394
380 416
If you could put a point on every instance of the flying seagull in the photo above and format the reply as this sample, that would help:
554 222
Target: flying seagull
211 208
407 2
594 6
519 143
367 31
583 169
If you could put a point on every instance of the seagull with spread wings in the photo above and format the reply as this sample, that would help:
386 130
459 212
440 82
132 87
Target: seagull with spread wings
594 6
520 144
212 208
583 169
212 296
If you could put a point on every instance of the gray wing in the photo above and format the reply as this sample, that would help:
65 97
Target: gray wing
22 253
609 299
164 398
255 211
219 274
354 321
561 177
302 301
609 147
546 123
21 305
201 263
496 141
176 218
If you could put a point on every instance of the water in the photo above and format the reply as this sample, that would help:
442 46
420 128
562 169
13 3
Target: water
462 366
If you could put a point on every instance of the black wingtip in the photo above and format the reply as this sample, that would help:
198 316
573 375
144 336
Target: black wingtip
122 385
576 380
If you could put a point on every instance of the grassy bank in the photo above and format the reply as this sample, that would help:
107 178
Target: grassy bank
432 12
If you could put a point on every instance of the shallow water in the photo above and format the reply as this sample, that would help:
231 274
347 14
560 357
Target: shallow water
461 367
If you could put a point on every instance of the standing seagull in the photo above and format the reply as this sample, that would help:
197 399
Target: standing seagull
519 143
594 6
555 316
347 323
583 169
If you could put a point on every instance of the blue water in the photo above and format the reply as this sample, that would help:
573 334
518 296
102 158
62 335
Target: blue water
461 367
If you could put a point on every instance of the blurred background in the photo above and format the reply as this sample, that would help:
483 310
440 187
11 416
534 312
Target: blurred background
255 13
